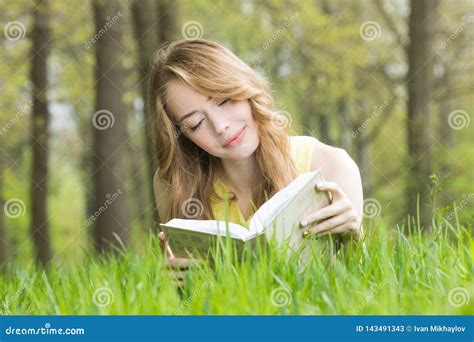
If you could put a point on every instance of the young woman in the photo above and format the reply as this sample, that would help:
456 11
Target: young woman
218 136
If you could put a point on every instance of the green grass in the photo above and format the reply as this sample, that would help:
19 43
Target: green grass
390 272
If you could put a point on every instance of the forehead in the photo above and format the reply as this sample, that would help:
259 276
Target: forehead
183 99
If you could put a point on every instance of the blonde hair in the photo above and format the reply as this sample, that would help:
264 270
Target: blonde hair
190 171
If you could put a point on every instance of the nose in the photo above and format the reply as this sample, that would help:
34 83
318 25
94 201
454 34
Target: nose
219 120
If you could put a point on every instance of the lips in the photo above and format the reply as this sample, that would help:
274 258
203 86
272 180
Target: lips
234 138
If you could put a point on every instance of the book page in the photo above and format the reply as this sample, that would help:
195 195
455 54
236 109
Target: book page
283 225
274 205
236 231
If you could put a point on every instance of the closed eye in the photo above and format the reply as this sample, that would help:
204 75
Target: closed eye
224 102
197 126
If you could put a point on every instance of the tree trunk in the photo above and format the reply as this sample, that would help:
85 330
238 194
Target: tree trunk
41 36
144 21
3 241
109 126
345 137
362 155
167 21
420 54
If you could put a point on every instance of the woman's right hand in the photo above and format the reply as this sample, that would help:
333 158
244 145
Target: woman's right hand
178 266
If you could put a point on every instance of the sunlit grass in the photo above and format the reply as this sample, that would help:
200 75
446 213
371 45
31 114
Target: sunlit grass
392 271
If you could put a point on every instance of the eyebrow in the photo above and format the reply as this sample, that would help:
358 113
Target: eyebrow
191 113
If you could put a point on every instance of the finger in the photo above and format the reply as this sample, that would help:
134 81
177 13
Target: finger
328 211
344 229
179 263
162 238
178 274
328 224
333 188
165 247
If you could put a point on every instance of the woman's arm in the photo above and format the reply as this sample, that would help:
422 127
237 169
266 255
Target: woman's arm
343 182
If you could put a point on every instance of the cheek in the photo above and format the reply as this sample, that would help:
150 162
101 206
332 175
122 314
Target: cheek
202 141
243 111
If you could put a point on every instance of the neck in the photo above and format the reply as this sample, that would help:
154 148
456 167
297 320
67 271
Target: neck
241 176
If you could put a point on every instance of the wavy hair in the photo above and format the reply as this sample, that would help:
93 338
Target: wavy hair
190 172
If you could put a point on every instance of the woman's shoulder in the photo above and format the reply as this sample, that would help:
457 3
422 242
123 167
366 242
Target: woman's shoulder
320 155
301 151
333 160
298 140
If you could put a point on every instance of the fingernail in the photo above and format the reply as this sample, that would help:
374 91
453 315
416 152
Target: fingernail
304 223
319 185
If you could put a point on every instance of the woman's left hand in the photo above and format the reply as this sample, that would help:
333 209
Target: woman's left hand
340 217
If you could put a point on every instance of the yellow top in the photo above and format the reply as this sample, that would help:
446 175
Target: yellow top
301 149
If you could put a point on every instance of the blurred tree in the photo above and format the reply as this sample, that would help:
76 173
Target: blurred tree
420 88
146 15
3 239
109 126
168 11
144 19
41 37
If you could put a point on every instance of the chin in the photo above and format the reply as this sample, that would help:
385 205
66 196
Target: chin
243 152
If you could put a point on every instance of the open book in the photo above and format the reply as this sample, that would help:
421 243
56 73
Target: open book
278 219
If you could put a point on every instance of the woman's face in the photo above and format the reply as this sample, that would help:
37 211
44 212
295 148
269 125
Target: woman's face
221 127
